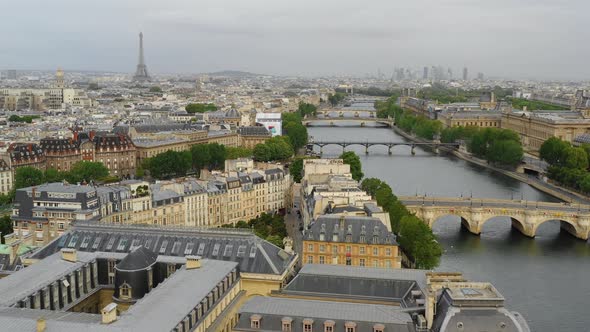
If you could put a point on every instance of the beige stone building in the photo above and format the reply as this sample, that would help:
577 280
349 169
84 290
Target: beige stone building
483 119
535 127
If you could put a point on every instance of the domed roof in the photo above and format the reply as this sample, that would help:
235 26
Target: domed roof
139 259
232 113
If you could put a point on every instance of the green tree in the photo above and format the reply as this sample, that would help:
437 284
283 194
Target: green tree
218 155
553 151
5 227
87 171
419 242
371 186
201 158
200 108
155 89
505 152
238 152
262 152
576 158
27 177
53 175
296 170
306 109
354 161
297 134
169 164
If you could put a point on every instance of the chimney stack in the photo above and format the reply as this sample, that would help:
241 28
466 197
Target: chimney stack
70 255
41 324
193 262
109 313
92 135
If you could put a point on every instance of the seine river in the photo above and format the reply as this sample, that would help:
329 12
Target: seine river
545 278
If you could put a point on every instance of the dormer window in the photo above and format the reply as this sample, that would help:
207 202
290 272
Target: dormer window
255 321
329 326
350 326
378 328
335 238
287 324
125 291
307 325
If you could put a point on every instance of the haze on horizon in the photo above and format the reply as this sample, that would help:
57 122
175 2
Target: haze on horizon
542 39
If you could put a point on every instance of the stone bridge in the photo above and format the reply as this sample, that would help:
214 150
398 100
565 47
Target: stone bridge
389 145
332 122
526 216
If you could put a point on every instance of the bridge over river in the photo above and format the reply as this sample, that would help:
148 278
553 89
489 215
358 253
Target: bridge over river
367 144
526 216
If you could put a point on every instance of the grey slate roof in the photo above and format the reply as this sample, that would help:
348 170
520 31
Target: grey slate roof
352 282
356 226
252 253
254 131
273 310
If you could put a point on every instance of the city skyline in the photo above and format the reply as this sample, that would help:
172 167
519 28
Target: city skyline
501 39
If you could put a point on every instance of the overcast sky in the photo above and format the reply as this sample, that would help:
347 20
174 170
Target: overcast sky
509 38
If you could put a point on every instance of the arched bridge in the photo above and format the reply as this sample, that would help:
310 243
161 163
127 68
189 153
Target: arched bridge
526 216
332 122
368 144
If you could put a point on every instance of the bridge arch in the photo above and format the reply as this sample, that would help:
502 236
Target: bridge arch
566 224
465 219
516 220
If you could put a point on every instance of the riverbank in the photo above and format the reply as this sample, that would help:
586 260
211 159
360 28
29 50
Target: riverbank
555 191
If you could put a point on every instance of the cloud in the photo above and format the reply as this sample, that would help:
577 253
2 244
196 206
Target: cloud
530 38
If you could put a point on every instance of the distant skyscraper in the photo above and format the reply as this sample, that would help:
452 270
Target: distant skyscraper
450 73
465 74
425 73
141 73
11 74
480 76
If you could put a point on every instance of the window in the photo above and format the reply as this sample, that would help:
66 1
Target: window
111 243
322 248
350 326
135 243
176 248
307 325
241 251
329 326
125 291
253 251
322 260
148 243
387 251
85 242
362 250
388 264
335 249
96 243
310 247
73 241
286 322
189 248
375 251
39 226
375 263
163 247
122 244
201 249
362 262
309 259
378 328
348 249
255 321
60 225
216 249
228 250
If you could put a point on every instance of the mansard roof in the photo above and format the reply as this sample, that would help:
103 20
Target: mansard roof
253 254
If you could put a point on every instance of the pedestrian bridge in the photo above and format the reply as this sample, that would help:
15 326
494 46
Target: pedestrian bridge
526 216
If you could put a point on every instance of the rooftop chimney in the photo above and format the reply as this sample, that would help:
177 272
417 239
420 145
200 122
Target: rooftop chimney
68 254
92 135
109 313
41 324
193 262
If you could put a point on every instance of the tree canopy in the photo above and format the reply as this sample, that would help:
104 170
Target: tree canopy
354 161
200 108
276 148
27 177
568 164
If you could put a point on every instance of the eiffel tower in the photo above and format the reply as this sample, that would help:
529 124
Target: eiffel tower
141 73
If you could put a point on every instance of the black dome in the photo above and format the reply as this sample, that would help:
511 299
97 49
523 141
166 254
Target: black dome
139 259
